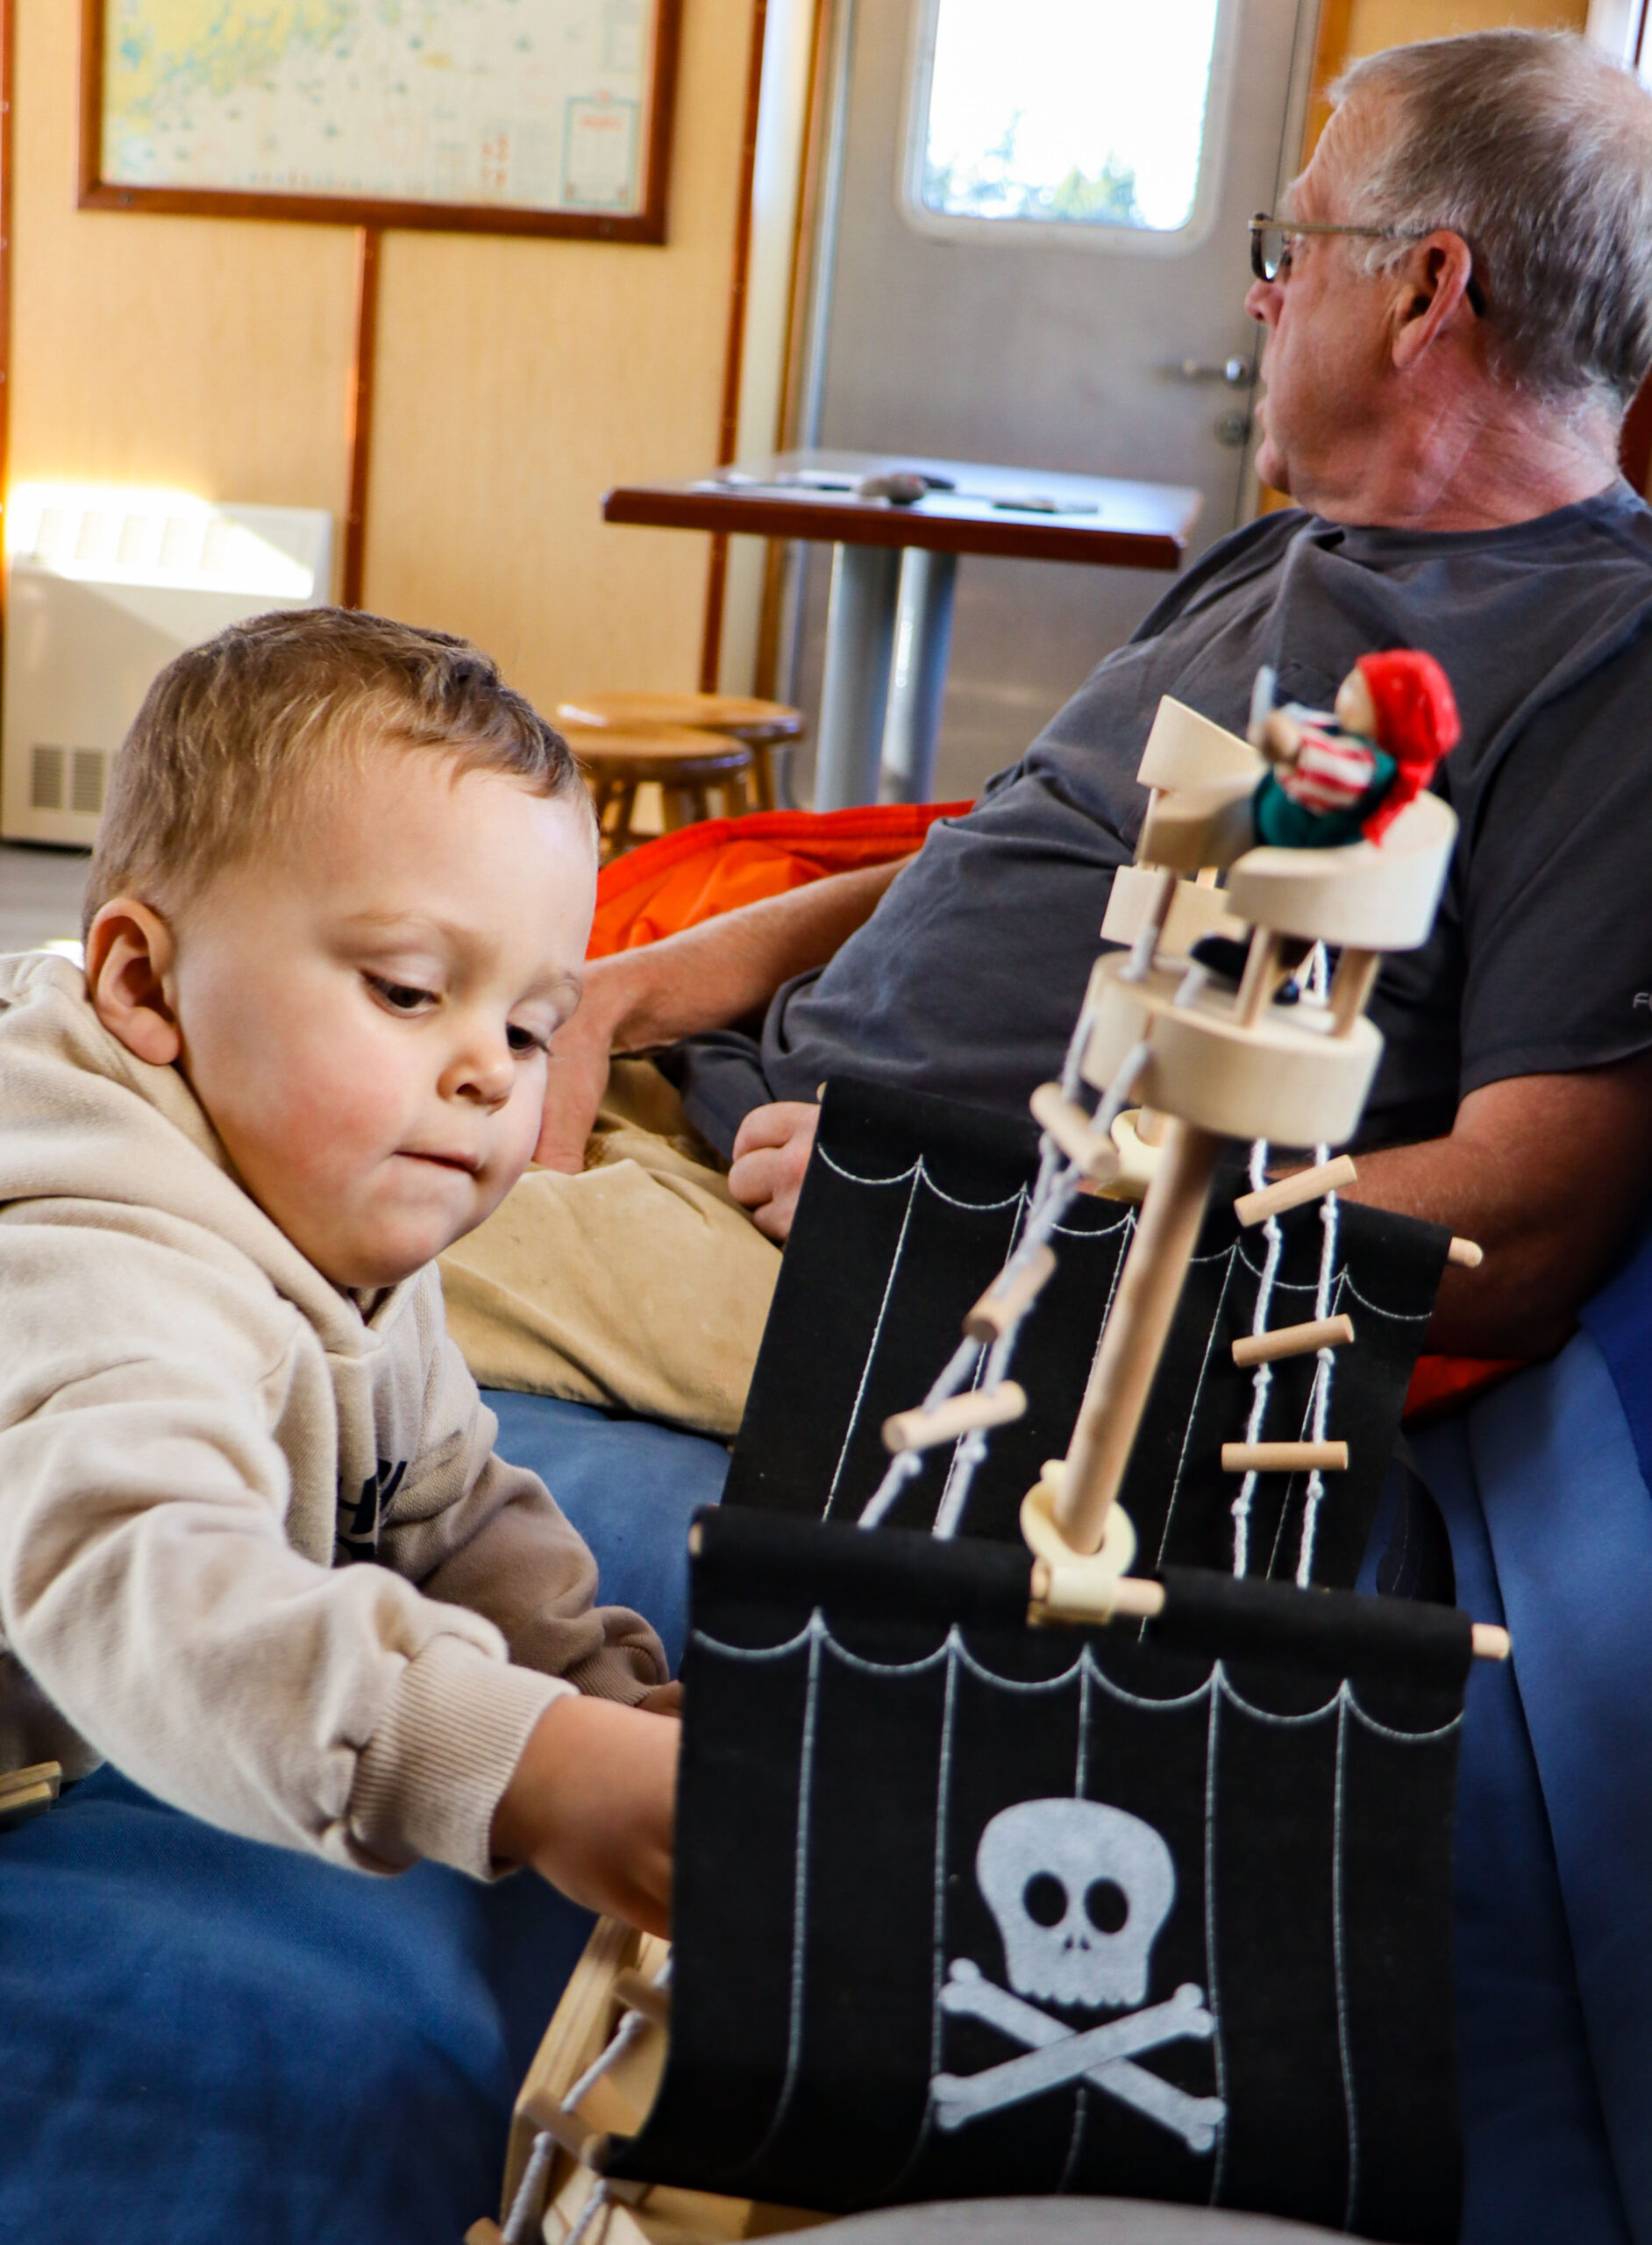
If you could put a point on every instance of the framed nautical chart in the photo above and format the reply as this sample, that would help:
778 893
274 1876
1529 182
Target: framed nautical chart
524 117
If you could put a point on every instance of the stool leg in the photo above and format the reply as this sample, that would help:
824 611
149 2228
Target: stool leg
625 801
763 775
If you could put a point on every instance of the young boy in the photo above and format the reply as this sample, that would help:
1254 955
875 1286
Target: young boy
254 1546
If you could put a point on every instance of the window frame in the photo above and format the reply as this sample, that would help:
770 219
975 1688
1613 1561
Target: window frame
1070 234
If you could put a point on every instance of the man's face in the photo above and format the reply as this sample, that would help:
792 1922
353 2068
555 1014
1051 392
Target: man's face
1327 334
365 1012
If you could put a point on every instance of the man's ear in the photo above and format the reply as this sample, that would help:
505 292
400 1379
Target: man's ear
1431 290
130 954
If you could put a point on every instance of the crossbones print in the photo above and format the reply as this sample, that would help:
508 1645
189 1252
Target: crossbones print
1058 2055
1080 1891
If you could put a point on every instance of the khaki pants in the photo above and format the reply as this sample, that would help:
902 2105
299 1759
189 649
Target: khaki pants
641 1284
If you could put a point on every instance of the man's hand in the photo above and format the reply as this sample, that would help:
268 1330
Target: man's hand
591 1807
771 1153
705 977
576 1077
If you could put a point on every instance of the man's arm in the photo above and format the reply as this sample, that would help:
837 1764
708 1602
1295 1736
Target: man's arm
1549 1174
705 978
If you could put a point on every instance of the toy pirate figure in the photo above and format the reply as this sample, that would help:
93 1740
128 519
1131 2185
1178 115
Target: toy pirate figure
1347 777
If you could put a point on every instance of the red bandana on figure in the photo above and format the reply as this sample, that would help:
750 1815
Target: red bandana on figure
1416 723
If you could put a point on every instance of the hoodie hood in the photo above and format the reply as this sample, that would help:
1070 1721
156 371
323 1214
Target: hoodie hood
82 1119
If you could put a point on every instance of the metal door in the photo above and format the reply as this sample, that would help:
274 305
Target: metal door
1125 359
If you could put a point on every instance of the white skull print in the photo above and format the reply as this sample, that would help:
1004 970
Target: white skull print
1080 1891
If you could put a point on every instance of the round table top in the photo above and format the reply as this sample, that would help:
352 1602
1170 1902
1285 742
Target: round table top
719 713
665 751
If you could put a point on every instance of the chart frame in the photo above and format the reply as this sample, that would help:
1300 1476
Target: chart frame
646 223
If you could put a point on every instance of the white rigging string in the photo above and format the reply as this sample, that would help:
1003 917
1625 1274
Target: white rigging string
1057 1187
529 2198
1263 1379
1323 1373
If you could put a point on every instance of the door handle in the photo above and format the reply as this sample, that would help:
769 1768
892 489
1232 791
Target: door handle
1238 373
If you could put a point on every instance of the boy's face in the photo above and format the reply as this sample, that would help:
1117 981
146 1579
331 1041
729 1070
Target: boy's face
365 1015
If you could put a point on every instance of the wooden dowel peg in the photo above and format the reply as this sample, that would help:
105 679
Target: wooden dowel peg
28 1792
639 1994
1351 987
49 1774
577 2137
1291 1191
1003 1303
1259 979
1063 1593
1149 1288
960 1415
1293 1341
1284 1456
1071 1127
1465 1255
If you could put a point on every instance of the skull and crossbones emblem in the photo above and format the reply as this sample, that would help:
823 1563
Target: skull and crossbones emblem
1080 1891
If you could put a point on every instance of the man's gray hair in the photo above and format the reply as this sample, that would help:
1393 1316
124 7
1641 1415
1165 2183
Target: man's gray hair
1537 149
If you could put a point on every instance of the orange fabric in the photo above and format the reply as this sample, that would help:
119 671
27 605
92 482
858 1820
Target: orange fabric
1443 1383
721 863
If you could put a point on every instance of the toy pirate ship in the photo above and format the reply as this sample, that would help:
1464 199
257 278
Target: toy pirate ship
999 1878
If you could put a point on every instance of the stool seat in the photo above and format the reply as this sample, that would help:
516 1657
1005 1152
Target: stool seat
683 762
762 725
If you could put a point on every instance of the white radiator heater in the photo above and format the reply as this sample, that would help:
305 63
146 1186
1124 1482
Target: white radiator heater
103 586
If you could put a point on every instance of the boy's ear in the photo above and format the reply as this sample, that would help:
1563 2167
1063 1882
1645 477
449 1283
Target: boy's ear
130 951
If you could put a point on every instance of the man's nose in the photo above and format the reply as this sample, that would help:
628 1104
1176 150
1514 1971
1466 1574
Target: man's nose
1262 302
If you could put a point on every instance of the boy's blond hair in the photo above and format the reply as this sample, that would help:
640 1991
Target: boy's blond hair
234 734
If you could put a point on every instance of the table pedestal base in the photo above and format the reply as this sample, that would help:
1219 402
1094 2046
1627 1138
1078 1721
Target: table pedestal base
854 691
923 641
888 634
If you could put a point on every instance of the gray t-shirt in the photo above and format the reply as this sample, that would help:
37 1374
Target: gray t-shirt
967 980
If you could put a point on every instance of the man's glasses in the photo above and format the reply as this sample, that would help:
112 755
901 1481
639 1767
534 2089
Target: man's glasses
1271 242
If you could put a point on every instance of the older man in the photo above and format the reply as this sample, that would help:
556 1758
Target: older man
1458 302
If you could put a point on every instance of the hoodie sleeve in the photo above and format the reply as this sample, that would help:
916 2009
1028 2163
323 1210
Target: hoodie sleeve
472 1531
148 1587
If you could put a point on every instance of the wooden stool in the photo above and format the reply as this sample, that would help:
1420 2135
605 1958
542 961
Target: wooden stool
688 766
762 726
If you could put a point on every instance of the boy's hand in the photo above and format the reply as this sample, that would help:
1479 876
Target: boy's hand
591 1807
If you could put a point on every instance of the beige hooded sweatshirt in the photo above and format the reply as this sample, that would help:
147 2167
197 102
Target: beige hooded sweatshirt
199 1434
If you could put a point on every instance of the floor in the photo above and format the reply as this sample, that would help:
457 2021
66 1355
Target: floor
39 895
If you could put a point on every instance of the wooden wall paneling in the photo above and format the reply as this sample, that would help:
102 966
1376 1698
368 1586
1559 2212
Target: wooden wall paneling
208 355
1330 56
796 330
358 413
717 563
517 380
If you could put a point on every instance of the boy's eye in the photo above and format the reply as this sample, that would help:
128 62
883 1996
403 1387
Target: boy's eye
401 997
526 1040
